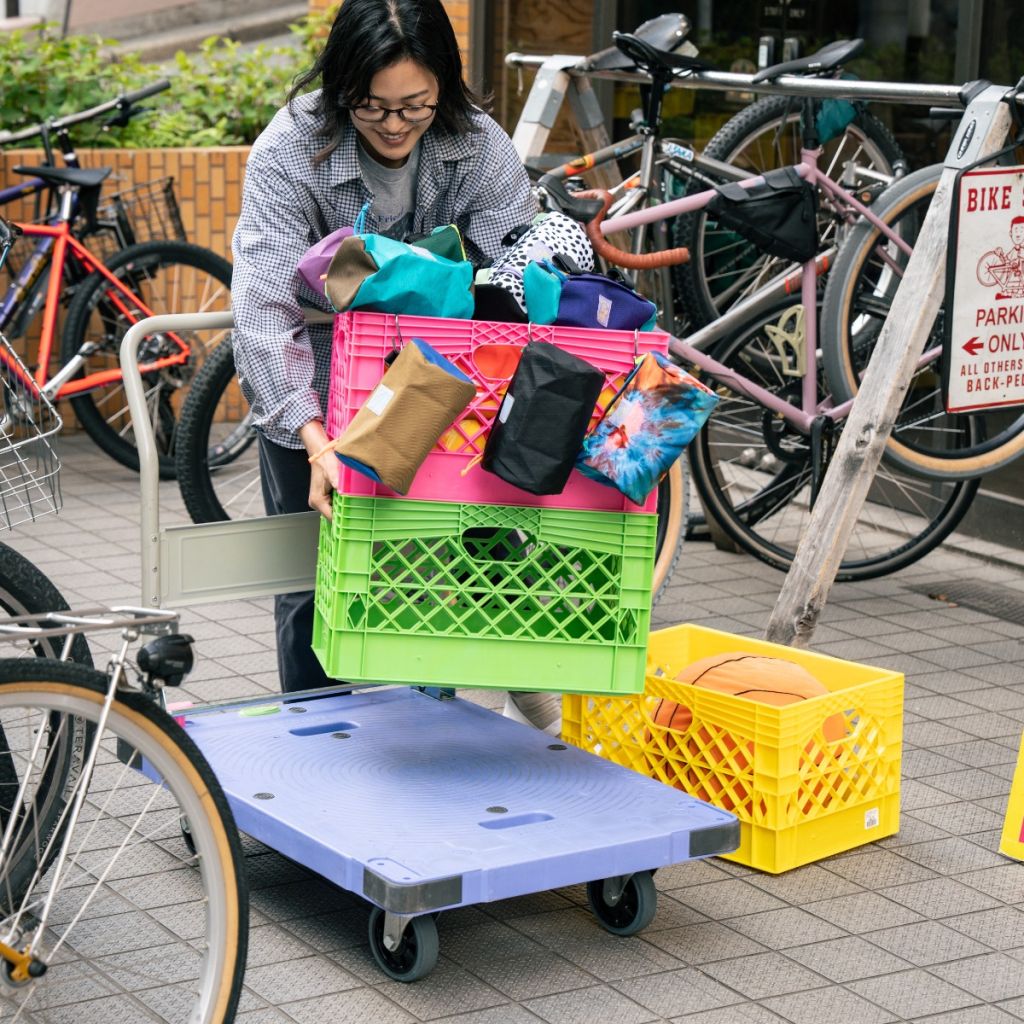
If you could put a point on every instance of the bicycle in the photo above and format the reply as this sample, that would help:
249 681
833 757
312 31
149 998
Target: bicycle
70 738
759 461
723 267
109 296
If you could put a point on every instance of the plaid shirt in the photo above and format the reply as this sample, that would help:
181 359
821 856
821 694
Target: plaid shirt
289 203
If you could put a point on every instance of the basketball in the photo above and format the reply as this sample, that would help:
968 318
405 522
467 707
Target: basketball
708 762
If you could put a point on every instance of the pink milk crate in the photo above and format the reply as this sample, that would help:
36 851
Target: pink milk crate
487 353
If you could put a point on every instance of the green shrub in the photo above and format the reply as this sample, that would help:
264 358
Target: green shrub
221 96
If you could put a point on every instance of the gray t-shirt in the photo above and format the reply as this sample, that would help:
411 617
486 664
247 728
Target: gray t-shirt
394 192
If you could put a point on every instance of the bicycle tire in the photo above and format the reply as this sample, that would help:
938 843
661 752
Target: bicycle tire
723 267
199 281
24 589
672 502
925 438
179 781
753 475
216 460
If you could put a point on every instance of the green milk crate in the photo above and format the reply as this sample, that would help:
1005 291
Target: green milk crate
484 596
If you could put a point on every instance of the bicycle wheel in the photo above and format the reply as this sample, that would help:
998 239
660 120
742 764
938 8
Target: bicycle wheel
216 456
753 474
672 493
724 267
162 933
861 287
167 277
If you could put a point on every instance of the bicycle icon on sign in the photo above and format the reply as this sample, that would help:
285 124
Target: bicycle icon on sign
1005 270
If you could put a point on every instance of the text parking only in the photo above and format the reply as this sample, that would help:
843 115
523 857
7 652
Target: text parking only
983 366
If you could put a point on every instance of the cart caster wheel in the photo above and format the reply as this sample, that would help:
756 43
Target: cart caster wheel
186 835
415 958
634 910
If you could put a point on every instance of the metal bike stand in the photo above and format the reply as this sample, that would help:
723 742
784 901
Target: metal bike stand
416 801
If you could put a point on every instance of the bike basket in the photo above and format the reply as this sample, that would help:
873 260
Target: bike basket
778 216
29 467
143 213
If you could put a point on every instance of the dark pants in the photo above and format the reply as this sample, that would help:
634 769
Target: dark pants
284 475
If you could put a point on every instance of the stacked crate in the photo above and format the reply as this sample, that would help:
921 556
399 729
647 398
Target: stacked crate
467 580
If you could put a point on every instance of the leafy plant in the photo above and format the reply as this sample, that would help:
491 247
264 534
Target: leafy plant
223 95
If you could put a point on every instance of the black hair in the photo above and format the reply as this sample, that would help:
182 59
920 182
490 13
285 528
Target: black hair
370 35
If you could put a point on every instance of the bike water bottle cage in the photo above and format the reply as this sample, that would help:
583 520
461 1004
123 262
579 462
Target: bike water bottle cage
827 59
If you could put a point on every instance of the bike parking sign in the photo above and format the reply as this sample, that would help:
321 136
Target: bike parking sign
983 366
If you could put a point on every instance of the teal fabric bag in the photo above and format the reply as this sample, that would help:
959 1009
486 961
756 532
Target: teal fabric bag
380 274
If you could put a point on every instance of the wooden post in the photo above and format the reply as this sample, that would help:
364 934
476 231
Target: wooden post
982 131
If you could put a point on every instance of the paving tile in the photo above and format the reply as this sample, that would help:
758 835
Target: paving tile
702 943
449 986
1005 882
507 1014
920 763
991 977
731 897
1000 928
673 913
961 819
926 942
970 1015
915 794
523 976
361 1006
311 976
780 929
678 992
743 1013
932 734
805 885
877 868
912 830
763 974
827 1004
847 959
936 898
985 726
862 912
583 1006
968 783
950 856
911 994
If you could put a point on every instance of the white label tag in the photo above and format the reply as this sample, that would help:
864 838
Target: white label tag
506 408
871 818
378 401
604 310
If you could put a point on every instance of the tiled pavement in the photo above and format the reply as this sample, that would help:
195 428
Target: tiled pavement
925 926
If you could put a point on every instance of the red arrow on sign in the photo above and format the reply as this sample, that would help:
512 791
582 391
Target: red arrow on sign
973 346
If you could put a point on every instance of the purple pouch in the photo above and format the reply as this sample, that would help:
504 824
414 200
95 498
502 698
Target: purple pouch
313 266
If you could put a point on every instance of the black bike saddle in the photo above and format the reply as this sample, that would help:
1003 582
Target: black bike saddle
582 210
665 32
80 177
657 63
828 58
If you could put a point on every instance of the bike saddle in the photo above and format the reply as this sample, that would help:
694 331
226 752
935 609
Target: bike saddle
665 32
582 210
80 177
657 63
828 58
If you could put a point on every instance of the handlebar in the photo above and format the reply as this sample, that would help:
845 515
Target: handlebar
121 103
621 258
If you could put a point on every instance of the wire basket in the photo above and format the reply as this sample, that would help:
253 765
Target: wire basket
143 213
29 466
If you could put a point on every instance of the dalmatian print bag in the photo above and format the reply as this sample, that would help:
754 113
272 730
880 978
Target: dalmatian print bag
550 233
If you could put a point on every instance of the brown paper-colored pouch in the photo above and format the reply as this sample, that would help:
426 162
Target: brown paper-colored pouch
414 404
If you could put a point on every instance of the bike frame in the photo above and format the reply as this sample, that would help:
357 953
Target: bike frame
810 410
57 245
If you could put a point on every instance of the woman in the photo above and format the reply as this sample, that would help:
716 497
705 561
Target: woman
393 126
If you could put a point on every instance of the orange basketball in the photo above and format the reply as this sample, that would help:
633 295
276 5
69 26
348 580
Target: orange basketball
716 766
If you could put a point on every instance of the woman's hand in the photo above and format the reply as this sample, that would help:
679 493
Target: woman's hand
324 468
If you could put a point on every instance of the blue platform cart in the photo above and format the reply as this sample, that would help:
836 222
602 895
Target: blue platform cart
413 798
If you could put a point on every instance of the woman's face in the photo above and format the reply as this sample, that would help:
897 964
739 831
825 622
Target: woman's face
403 84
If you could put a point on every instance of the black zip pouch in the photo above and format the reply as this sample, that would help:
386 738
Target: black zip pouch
543 418
779 216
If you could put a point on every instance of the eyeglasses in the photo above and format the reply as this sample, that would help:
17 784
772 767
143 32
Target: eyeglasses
413 115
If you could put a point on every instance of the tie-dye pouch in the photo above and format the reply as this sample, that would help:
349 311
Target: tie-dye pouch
646 428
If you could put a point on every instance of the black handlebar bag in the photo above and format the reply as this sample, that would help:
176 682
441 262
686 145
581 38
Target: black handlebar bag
779 216
543 418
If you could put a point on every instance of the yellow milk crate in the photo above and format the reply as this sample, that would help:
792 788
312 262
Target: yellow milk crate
799 796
